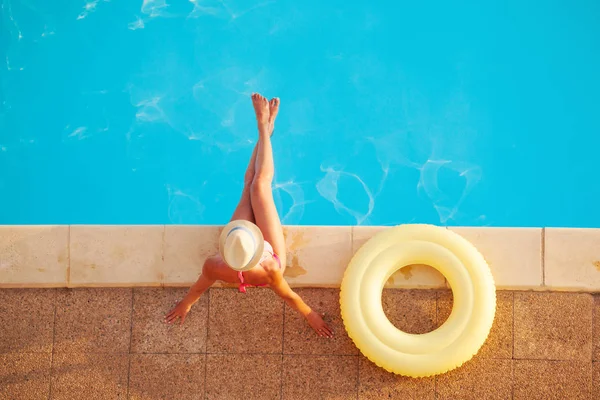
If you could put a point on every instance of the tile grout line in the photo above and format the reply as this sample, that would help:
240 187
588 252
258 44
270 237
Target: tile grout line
357 376
314 355
512 359
543 257
512 379
437 317
53 340
130 344
205 395
591 380
208 292
513 326
593 326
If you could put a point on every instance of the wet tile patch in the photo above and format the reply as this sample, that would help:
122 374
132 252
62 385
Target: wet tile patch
317 255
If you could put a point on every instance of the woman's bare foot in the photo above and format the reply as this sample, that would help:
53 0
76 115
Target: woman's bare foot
261 108
273 110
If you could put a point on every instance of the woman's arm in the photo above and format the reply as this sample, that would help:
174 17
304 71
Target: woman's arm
283 290
183 307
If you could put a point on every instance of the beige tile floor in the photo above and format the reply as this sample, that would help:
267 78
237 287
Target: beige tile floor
112 344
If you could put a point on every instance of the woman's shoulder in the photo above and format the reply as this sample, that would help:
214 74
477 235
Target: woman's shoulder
215 268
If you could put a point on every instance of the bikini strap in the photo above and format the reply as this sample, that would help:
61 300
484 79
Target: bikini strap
276 257
243 286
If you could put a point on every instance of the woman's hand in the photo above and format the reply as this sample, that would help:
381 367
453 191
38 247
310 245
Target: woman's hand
320 326
283 290
180 310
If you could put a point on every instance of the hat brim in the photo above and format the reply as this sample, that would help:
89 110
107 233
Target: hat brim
256 232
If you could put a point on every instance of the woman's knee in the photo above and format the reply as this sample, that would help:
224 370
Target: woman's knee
261 185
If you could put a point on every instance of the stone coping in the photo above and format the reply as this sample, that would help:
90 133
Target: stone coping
172 255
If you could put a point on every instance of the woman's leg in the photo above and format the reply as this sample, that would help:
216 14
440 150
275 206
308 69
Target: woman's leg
244 207
261 193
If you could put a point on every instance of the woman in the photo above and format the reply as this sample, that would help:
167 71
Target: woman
252 247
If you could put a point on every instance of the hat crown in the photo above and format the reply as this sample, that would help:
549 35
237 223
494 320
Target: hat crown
240 247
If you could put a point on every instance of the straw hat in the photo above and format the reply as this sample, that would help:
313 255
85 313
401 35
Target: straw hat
241 245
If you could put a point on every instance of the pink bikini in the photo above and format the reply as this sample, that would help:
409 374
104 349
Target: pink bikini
267 252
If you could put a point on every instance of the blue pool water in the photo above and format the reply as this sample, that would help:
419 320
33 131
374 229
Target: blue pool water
457 113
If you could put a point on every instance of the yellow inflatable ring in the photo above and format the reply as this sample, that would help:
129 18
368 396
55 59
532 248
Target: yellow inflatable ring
443 349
